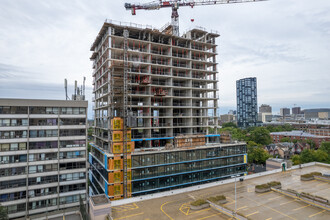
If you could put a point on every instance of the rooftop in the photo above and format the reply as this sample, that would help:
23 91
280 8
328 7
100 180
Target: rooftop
42 102
296 133
270 205
100 199
109 23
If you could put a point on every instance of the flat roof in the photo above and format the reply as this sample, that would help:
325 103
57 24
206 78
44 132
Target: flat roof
269 205
42 102
100 199
140 27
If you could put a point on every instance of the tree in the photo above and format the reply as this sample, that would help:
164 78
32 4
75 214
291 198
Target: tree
257 155
321 156
325 146
89 147
90 132
261 136
236 133
285 139
3 213
311 143
307 156
229 124
296 160
285 127
252 144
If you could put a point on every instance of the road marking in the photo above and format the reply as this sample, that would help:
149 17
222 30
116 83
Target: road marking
185 206
276 197
252 213
221 211
242 207
233 201
203 210
250 190
269 218
185 209
316 213
270 208
161 208
191 196
209 216
321 184
288 202
301 207
125 208
265 193
128 216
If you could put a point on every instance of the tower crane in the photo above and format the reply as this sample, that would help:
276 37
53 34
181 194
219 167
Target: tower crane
175 4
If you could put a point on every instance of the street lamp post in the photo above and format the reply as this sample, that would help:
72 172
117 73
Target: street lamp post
235 194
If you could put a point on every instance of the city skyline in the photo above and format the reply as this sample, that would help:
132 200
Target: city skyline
44 42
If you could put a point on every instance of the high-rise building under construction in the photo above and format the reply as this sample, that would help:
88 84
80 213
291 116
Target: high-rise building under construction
155 112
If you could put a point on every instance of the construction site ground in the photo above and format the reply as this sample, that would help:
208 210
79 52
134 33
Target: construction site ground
265 206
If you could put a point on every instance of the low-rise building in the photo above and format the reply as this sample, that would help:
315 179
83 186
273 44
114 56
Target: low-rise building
298 135
227 118
265 117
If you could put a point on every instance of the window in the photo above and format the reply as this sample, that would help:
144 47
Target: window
4 147
32 169
22 146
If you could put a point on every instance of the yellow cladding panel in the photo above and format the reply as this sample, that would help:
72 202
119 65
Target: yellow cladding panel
118 190
117 148
117 164
117 123
245 158
117 136
117 177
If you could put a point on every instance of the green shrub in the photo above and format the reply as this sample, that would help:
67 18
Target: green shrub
308 175
262 186
217 198
316 174
274 183
198 202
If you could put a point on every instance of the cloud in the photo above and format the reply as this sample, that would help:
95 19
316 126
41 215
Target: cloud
284 43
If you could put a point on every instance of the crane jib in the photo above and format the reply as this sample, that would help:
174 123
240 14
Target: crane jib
175 4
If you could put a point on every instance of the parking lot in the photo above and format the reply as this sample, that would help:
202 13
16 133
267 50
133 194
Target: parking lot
265 206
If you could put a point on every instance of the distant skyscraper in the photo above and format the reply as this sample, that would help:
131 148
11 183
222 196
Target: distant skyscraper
232 112
296 110
284 111
247 107
265 109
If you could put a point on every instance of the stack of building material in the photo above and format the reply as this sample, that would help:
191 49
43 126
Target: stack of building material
189 141
225 137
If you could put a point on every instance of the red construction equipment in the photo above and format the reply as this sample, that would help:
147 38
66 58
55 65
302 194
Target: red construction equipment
175 4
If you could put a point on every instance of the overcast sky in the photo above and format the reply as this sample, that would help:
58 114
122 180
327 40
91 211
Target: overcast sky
284 43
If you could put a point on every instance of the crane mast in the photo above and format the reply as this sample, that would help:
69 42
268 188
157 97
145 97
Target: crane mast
175 4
